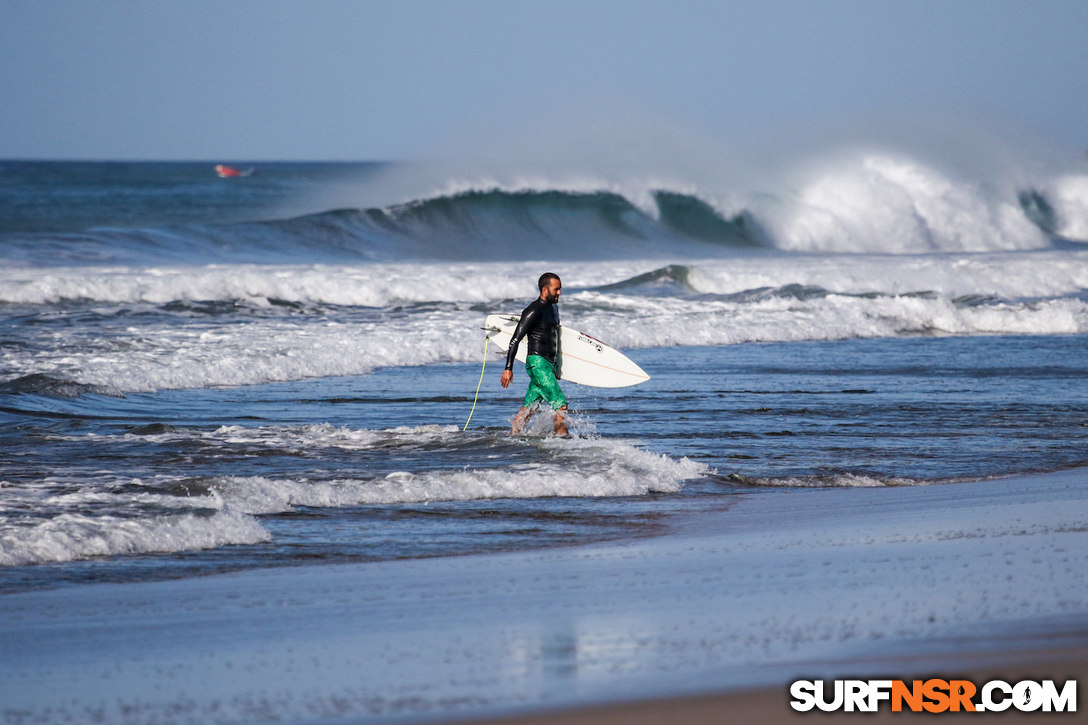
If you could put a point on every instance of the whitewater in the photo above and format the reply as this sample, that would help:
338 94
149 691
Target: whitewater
250 369
350 320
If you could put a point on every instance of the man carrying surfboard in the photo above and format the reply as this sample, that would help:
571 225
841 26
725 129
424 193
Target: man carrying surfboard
540 325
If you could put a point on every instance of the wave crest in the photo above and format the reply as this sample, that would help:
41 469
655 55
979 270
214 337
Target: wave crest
880 203
862 202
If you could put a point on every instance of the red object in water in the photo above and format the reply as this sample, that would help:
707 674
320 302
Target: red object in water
227 172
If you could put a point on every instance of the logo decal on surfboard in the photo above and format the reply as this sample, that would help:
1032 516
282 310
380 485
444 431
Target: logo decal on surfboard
597 344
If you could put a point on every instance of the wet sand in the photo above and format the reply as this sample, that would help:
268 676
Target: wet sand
770 705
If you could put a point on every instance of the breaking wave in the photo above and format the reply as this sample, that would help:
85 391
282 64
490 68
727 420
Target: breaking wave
872 203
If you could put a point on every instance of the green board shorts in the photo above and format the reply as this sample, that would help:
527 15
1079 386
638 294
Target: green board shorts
542 383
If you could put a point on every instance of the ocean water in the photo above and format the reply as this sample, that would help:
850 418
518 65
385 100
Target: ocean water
201 374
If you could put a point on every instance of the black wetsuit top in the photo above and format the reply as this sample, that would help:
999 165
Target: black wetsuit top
540 325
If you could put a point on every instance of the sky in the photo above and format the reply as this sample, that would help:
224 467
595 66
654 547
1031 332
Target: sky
342 80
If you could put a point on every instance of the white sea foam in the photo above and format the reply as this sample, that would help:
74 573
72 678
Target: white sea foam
845 480
169 357
583 467
364 285
835 317
1013 275
227 510
432 314
323 435
70 537
1069 195
882 203
1007 275
260 495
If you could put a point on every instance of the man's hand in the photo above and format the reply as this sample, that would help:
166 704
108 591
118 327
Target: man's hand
507 378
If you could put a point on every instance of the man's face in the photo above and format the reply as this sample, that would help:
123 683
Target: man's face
551 292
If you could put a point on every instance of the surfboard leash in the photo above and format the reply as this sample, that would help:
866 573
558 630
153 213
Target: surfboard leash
487 340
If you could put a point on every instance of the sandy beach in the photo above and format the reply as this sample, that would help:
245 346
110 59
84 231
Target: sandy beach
896 582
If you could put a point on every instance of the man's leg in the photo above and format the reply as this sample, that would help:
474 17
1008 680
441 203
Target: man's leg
520 420
560 420
542 387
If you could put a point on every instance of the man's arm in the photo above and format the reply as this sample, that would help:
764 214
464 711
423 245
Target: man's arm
528 320
529 317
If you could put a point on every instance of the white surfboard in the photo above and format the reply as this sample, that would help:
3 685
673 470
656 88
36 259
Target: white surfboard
583 359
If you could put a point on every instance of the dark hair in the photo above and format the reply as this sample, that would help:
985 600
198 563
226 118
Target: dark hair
545 279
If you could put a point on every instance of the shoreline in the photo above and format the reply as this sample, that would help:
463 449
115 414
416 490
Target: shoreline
794 584
769 705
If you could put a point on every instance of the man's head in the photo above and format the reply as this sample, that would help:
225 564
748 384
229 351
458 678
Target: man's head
549 286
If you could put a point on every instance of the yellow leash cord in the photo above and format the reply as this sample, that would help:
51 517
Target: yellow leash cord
487 340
